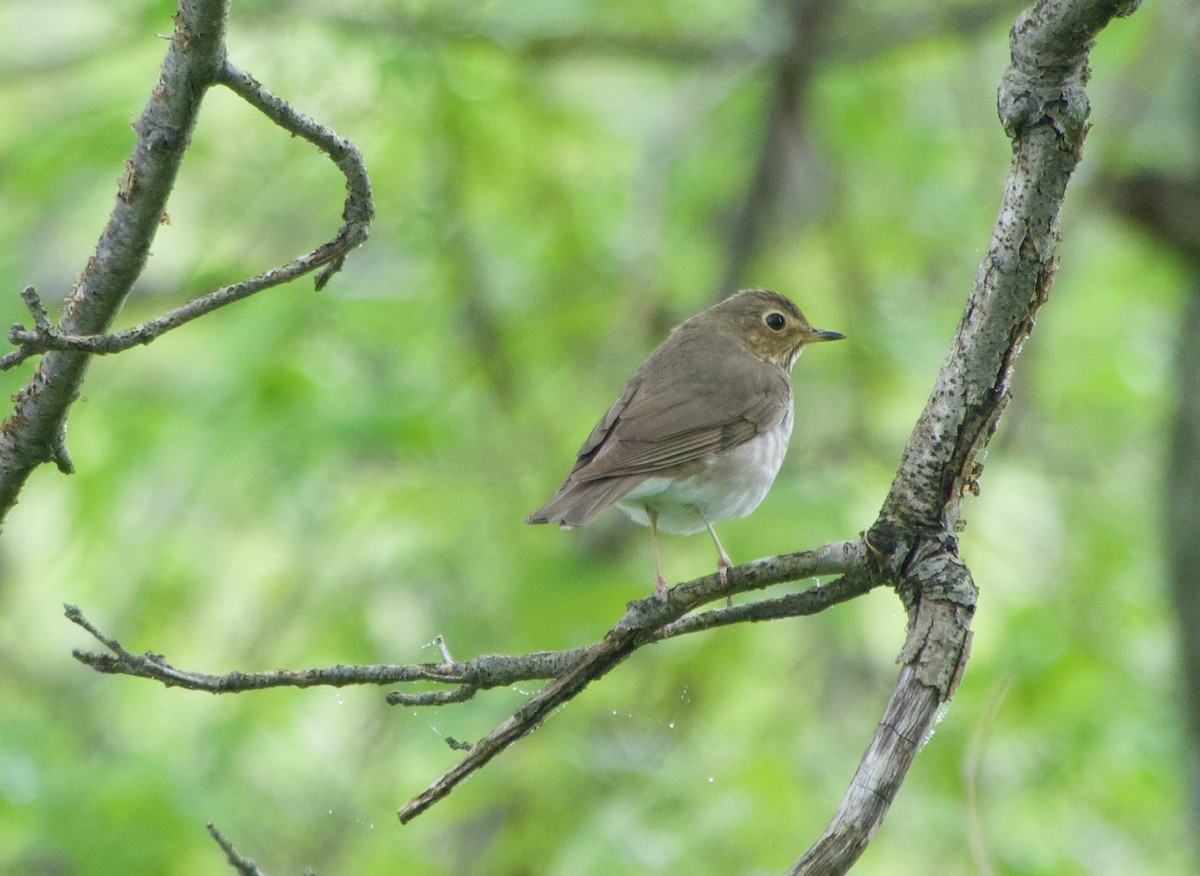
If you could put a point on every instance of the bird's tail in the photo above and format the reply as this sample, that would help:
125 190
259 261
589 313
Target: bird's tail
577 502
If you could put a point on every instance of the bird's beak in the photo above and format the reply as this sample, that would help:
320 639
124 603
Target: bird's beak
818 335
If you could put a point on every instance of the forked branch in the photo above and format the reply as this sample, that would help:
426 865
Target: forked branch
357 215
1044 109
647 621
195 61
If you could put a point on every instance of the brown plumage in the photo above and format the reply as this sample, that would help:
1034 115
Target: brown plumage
700 430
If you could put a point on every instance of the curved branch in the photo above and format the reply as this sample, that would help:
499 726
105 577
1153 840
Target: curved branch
195 61
357 214
1043 107
359 209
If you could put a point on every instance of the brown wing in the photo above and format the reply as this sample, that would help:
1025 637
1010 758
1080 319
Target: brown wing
717 397
663 427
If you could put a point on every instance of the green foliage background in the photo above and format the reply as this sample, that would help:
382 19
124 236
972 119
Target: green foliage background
309 478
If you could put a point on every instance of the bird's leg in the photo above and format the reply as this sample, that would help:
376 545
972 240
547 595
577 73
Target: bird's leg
660 583
723 562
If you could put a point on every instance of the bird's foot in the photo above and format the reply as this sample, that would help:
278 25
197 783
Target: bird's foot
723 566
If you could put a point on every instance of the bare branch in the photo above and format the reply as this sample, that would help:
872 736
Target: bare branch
638 627
811 601
242 864
359 209
502 670
645 622
459 694
488 671
358 212
195 52
195 61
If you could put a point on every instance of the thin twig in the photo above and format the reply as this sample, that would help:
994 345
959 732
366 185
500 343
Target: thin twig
240 862
357 215
359 209
459 694
488 671
815 599
645 621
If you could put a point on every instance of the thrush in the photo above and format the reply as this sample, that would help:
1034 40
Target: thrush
700 430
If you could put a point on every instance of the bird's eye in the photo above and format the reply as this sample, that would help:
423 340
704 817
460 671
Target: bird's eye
775 321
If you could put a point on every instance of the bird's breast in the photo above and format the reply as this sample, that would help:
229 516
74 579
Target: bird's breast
725 485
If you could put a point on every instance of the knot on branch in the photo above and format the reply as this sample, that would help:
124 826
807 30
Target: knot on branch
940 595
29 342
45 336
1045 85
1029 99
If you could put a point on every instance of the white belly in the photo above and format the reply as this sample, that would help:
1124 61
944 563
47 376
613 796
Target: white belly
731 484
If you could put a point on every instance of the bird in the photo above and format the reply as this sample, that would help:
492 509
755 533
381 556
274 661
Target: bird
699 432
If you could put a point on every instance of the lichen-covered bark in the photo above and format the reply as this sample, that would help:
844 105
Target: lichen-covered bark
1044 109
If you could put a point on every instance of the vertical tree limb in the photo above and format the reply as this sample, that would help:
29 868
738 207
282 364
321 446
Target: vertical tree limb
34 432
1044 109
1182 510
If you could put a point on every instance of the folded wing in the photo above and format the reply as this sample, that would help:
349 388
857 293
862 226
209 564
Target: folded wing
657 425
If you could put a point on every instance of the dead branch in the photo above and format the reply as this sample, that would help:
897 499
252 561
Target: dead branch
195 61
502 670
236 859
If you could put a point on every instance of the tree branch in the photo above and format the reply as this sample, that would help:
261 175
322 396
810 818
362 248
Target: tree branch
33 433
646 621
501 670
638 627
238 861
357 214
195 61
913 543
1043 107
